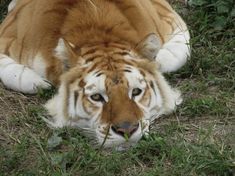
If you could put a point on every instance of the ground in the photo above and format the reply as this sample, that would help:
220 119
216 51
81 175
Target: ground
197 139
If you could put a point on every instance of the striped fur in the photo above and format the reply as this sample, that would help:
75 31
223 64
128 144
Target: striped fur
98 53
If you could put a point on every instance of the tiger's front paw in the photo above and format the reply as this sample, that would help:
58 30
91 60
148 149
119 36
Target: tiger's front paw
20 78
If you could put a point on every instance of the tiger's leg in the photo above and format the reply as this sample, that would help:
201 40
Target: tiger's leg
19 77
174 53
12 5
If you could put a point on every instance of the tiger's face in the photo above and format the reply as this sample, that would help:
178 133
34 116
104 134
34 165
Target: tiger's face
116 106
112 98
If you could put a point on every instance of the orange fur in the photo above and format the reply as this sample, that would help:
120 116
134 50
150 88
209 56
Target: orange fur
34 26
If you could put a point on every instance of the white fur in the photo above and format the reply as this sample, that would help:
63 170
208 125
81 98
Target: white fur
172 97
74 112
56 110
60 50
135 80
97 84
19 77
12 5
175 52
39 65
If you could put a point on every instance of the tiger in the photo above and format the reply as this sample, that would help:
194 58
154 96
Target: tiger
106 57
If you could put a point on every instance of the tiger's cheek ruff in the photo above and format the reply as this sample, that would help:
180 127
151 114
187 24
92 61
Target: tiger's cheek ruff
171 97
57 109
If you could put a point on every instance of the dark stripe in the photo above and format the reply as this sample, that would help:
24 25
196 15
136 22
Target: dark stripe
119 46
76 94
91 51
91 59
129 71
94 66
152 86
99 74
123 53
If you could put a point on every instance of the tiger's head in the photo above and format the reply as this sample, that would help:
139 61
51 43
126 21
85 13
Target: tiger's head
112 93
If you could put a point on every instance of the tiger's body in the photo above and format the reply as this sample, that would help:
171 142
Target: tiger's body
99 48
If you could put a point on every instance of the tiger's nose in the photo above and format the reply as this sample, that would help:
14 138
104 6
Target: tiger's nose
125 129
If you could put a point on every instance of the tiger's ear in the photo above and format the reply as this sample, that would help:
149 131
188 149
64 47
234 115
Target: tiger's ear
149 46
64 51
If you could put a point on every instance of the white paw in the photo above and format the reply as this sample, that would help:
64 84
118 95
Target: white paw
174 53
20 78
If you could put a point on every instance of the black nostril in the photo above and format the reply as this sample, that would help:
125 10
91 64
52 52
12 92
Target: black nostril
125 129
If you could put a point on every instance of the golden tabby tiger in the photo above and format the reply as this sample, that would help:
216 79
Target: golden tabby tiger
105 56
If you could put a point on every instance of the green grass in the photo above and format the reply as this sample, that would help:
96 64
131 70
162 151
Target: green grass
198 139
3 8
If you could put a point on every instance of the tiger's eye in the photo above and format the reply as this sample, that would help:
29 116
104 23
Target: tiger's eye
97 97
136 92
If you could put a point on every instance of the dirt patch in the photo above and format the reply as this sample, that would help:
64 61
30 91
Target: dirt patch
15 113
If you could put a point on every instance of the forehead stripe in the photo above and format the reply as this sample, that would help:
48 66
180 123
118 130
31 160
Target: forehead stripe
99 74
90 51
92 58
122 53
126 70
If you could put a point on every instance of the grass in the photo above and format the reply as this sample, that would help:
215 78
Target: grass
198 139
